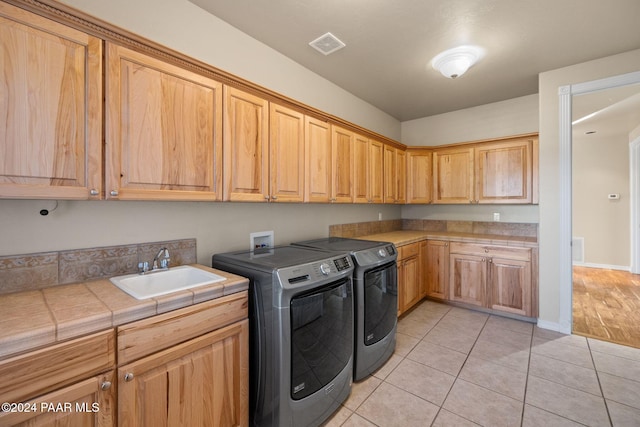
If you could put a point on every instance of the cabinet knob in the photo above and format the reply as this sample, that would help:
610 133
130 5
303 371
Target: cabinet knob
128 376
105 385
94 192
114 193
274 197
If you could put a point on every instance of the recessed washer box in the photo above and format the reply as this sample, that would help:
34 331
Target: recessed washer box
261 240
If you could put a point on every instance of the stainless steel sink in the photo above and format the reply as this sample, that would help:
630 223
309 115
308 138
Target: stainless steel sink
156 283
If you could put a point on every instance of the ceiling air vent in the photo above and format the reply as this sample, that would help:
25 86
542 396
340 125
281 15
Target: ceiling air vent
326 44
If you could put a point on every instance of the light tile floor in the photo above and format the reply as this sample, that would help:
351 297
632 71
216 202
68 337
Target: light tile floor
457 367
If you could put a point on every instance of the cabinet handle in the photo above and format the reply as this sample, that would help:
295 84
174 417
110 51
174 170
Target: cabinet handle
274 198
94 192
483 259
114 192
105 385
128 376
490 259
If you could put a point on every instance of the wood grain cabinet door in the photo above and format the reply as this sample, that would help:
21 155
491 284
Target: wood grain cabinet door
419 176
468 279
50 109
202 382
286 147
453 179
88 403
317 143
376 171
510 285
246 146
361 167
504 172
436 276
342 165
163 130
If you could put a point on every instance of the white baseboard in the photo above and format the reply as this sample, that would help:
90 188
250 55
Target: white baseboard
605 266
554 326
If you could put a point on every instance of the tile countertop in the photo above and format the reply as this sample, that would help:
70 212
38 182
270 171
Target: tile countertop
36 318
405 237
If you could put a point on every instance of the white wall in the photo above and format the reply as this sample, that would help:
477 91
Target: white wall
512 117
549 82
218 227
186 28
600 167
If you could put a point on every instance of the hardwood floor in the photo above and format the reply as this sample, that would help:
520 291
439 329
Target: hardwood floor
606 305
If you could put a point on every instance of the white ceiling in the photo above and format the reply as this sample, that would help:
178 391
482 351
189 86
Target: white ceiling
389 43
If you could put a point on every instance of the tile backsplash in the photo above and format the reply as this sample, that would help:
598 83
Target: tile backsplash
472 227
42 270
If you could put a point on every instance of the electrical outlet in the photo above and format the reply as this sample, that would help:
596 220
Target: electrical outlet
496 216
379 216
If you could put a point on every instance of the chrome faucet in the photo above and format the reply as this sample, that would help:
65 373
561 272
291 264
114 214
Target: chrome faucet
162 256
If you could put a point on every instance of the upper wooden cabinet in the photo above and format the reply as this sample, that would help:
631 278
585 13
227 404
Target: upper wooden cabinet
317 144
246 146
342 155
50 109
369 172
163 130
502 172
453 175
287 160
361 166
395 175
419 176
376 171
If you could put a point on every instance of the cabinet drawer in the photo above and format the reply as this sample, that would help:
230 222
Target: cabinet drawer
523 254
408 251
56 366
147 336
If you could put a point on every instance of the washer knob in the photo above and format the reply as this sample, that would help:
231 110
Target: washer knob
325 269
382 253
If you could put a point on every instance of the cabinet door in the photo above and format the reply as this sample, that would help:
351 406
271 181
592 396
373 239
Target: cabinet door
163 130
390 173
409 282
342 165
436 276
286 145
202 382
504 172
419 176
317 160
245 147
401 176
88 403
376 171
453 176
510 285
468 279
361 166
50 109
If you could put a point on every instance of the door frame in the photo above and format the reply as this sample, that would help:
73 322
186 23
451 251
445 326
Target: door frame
565 95
634 178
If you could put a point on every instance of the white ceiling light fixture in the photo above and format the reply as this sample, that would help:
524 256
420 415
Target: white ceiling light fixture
455 62
327 43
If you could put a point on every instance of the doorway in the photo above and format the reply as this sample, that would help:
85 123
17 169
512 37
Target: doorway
595 110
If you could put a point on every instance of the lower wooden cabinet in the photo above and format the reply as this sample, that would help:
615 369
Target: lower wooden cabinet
202 382
495 277
88 403
187 367
436 268
409 277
